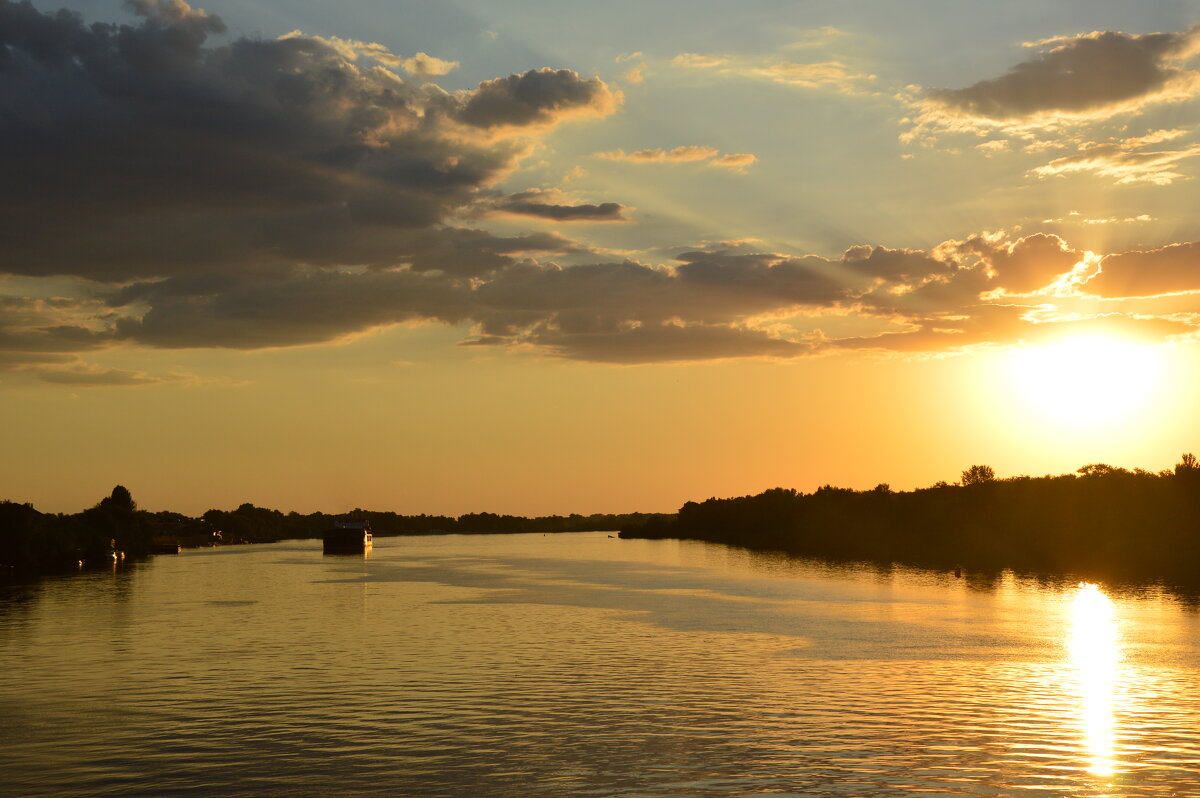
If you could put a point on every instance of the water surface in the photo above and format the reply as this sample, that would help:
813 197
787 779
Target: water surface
585 665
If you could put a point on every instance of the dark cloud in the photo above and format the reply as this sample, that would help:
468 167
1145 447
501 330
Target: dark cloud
666 343
537 204
711 304
614 312
287 308
146 150
1077 75
1167 270
1088 77
524 302
539 97
768 281
895 264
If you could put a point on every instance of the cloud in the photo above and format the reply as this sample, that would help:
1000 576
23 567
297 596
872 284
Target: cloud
698 61
176 12
1027 264
831 74
94 376
142 151
818 37
349 49
1141 273
290 308
637 73
735 161
43 338
1125 160
30 361
688 153
1004 324
540 97
551 205
669 343
711 303
993 147
959 280
1074 217
682 154
37 328
423 64
1088 77
818 75
288 192
524 303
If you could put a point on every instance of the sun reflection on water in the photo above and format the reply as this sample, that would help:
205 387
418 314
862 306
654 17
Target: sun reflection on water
1094 646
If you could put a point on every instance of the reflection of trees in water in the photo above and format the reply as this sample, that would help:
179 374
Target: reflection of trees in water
18 597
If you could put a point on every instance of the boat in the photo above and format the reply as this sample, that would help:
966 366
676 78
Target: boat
348 537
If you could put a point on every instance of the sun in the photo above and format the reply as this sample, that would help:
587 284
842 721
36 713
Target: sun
1087 380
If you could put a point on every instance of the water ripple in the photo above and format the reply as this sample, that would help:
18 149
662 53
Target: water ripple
579 665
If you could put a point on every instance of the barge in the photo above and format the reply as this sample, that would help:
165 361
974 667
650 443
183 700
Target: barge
348 537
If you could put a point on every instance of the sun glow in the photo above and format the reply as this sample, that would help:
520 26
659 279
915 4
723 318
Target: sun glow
1087 380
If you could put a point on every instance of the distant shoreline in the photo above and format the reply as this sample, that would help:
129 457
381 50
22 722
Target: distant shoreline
1104 522
33 543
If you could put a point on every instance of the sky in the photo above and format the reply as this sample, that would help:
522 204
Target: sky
548 257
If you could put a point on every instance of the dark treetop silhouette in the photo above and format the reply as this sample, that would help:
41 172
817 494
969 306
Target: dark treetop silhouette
34 541
1102 521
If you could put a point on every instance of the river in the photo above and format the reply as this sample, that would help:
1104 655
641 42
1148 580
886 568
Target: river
584 665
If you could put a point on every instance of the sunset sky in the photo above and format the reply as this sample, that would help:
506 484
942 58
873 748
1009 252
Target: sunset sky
548 257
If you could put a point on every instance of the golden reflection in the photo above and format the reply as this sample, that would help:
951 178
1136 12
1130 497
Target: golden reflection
1094 646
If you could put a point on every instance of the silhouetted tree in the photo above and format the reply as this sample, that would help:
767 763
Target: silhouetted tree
113 519
1111 523
978 474
120 500
1099 470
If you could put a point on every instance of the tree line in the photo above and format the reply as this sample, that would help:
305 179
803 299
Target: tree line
1101 521
115 528
259 524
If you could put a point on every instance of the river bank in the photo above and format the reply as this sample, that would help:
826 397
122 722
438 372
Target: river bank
1102 522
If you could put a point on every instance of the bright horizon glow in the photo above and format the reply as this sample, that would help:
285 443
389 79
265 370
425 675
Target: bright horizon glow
1087 381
